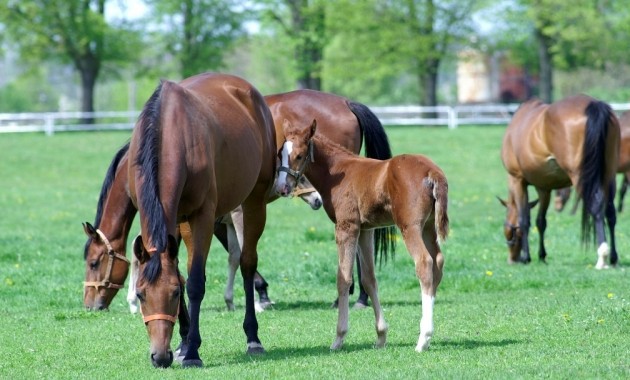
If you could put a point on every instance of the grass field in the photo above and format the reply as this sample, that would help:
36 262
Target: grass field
492 320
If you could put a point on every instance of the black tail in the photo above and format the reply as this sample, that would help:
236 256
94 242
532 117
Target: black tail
376 146
592 182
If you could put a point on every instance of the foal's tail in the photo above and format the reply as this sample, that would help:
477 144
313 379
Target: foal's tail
377 147
596 173
440 195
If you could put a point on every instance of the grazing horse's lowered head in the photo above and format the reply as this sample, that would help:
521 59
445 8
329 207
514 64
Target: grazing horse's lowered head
159 290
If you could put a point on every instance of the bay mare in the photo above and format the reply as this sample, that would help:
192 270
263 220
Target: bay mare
361 194
346 122
106 264
184 151
572 142
623 166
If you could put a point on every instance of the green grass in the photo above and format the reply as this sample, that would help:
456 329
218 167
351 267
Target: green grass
492 320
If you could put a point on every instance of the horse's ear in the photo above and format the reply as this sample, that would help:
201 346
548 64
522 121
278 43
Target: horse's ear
504 203
172 246
533 204
90 230
138 249
313 128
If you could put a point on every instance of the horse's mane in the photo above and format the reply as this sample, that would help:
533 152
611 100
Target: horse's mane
148 164
107 185
328 144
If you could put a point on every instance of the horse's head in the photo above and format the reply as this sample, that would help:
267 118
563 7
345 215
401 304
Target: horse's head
512 229
159 289
307 193
295 154
105 270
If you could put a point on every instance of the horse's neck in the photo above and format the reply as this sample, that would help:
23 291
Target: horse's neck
329 154
118 215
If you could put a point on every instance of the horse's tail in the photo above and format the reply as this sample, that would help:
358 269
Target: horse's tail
376 146
594 177
147 161
440 195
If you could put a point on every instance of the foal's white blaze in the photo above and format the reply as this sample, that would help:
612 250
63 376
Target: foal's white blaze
426 323
602 255
281 182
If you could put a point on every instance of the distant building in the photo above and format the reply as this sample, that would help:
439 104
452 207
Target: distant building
491 79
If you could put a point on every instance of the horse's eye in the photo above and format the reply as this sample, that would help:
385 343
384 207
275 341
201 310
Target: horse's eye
176 293
140 296
94 264
299 157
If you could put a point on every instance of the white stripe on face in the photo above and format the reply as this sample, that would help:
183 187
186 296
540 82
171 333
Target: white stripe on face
286 151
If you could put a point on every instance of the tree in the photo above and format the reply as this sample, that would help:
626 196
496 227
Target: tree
302 22
408 36
72 31
199 33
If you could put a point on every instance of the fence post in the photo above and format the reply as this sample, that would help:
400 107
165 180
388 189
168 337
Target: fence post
49 126
452 118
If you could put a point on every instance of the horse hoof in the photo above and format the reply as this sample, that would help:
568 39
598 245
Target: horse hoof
192 363
337 344
359 305
255 349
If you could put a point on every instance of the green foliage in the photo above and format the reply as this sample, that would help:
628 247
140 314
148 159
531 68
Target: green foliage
487 313
29 92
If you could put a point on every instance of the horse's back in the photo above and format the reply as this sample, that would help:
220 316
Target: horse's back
334 119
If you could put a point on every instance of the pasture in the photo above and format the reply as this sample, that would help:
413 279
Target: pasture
492 320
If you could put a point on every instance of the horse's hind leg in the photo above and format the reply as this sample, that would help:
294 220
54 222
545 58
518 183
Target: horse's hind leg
611 220
234 259
544 197
428 259
596 209
368 279
346 235
622 190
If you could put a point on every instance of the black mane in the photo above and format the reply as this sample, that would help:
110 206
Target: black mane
107 185
148 164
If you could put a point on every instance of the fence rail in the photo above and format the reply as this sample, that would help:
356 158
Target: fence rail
450 116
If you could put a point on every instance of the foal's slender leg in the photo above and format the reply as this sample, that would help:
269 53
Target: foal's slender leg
544 197
429 290
346 235
611 220
424 263
368 279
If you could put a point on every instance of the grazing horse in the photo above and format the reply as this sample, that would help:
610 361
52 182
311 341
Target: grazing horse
200 149
105 250
360 194
572 142
623 166
346 123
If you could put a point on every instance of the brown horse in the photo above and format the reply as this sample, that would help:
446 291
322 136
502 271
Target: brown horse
200 149
575 142
361 194
106 264
623 166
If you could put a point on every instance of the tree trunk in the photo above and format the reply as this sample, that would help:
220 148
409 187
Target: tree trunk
546 66
88 82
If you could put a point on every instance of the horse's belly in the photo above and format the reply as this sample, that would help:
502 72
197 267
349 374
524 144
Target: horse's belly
549 175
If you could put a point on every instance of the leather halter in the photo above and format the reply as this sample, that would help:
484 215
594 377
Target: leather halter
299 192
297 174
106 283
164 317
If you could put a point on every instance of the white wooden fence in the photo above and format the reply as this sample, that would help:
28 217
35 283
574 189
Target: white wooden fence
450 116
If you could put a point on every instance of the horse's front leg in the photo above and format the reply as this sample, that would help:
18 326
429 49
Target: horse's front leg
132 297
198 245
254 218
368 280
622 190
234 260
544 198
184 324
523 209
346 235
